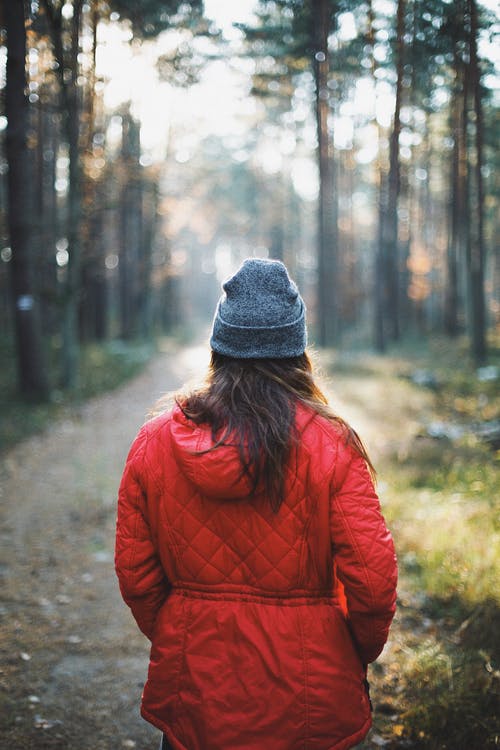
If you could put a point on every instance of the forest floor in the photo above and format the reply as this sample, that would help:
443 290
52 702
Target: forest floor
72 660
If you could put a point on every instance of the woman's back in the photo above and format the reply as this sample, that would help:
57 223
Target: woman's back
252 642
250 544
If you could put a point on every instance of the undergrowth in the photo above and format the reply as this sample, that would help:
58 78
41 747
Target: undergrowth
452 696
442 503
103 367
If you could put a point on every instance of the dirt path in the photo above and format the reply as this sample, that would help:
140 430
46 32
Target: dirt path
73 663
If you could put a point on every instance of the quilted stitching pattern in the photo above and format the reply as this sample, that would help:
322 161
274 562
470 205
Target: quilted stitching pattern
208 542
185 521
362 543
234 541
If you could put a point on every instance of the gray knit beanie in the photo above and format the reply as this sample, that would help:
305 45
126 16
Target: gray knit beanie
261 314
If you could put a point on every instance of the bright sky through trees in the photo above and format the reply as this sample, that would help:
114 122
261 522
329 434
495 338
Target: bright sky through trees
215 105
220 104
184 142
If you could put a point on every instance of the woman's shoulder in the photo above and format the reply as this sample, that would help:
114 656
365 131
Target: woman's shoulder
315 425
325 439
157 425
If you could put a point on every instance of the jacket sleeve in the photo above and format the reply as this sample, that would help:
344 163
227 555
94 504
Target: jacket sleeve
143 583
364 555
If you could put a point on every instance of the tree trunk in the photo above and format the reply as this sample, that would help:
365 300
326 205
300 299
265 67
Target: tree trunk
47 138
476 256
380 261
71 345
150 198
131 230
327 216
380 281
391 217
456 200
68 73
32 373
93 307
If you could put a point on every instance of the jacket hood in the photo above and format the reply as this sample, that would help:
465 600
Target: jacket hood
217 473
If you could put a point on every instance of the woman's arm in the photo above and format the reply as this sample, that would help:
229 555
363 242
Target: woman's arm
143 583
364 554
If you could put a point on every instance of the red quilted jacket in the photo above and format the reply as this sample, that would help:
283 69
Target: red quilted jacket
253 645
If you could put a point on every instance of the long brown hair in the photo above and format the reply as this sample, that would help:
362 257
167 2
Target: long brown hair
251 403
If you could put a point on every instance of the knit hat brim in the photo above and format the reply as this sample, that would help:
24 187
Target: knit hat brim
250 342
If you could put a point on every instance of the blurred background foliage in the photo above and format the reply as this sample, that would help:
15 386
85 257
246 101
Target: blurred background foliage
147 148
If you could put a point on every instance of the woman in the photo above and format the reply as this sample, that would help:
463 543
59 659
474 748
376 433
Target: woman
250 544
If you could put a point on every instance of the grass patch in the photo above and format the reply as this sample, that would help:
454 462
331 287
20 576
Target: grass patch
453 698
443 505
442 495
439 686
107 366
103 367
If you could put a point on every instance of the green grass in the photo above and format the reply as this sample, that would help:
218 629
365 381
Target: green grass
442 502
444 505
103 367
453 698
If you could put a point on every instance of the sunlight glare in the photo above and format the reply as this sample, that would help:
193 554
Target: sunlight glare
67 11
384 103
364 98
224 261
304 174
227 12
343 132
347 26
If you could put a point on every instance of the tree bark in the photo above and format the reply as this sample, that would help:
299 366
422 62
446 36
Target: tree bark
476 256
391 217
380 260
68 72
131 273
327 319
451 301
32 372
93 300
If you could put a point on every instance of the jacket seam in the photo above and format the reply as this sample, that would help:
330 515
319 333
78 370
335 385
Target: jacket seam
272 599
149 438
174 546
355 546
182 652
306 683
133 551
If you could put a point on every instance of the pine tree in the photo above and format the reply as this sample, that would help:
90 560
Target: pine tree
32 372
